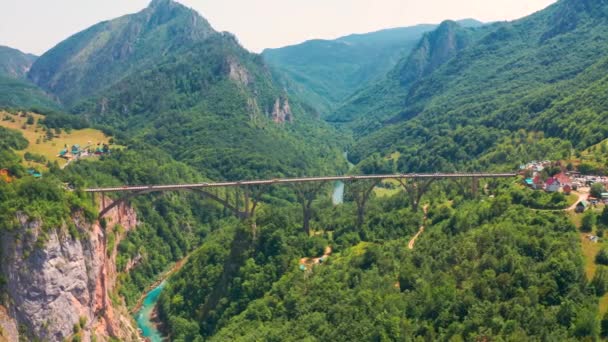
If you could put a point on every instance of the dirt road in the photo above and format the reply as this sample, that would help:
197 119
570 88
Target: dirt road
412 242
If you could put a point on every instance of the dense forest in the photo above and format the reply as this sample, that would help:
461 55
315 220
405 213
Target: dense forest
485 269
184 103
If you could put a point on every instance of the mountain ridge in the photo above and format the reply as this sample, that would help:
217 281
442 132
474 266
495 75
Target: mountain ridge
324 73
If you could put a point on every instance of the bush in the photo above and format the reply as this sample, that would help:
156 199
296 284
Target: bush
602 257
600 281
589 220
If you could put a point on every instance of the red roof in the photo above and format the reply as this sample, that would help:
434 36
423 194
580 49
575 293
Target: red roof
550 181
563 179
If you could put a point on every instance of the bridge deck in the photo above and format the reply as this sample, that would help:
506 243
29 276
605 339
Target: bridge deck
172 187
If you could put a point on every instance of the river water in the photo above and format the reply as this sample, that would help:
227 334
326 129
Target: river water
337 196
143 316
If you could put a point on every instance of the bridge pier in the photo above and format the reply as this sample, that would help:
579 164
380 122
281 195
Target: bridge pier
475 186
306 194
415 189
361 193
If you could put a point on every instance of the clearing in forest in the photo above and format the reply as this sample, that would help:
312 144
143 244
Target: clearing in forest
45 144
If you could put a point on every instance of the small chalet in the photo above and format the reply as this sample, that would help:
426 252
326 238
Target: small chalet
75 149
552 185
563 179
581 206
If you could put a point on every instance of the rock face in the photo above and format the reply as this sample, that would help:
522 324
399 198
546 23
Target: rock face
8 327
281 112
55 285
238 73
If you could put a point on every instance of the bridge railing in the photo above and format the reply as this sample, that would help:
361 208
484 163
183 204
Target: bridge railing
170 187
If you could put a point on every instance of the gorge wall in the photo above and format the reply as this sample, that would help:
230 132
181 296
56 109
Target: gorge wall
57 284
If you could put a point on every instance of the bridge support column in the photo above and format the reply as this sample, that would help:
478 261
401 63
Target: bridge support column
415 189
475 186
306 193
361 192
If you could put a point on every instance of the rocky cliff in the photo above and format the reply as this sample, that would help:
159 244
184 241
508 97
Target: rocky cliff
58 285
281 112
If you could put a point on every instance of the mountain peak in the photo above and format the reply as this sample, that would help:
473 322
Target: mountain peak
117 46
162 3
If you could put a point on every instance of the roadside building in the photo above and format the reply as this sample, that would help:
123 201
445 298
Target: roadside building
581 206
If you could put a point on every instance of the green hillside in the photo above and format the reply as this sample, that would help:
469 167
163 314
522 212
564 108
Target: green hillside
16 93
14 63
511 76
164 76
95 58
324 73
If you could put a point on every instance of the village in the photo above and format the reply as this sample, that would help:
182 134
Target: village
552 177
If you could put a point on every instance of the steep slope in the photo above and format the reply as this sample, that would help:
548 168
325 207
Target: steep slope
432 50
164 75
15 90
326 72
104 53
14 63
508 78
16 93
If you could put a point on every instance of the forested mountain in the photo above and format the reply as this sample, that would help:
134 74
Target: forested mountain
14 63
165 76
15 90
486 260
16 93
97 57
508 76
326 72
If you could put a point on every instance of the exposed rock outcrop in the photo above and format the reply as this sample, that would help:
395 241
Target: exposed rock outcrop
8 327
55 281
281 111
237 72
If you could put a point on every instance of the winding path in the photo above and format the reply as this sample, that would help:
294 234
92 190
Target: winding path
410 245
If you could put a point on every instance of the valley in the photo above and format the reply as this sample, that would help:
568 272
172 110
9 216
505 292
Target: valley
160 181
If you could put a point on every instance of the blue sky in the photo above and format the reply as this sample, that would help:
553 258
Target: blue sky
37 25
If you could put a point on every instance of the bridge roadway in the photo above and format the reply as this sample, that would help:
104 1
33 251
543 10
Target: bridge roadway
173 187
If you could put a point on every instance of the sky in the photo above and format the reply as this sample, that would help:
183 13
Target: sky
35 26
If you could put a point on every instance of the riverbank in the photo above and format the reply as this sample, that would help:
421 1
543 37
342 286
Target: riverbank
176 267
145 312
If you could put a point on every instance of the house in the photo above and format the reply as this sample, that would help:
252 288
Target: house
581 206
63 153
552 185
563 179
529 182
604 195
75 149
538 182
34 173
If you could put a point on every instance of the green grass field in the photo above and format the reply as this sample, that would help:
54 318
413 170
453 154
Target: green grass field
35 135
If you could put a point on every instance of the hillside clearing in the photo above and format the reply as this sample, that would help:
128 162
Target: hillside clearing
36 135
